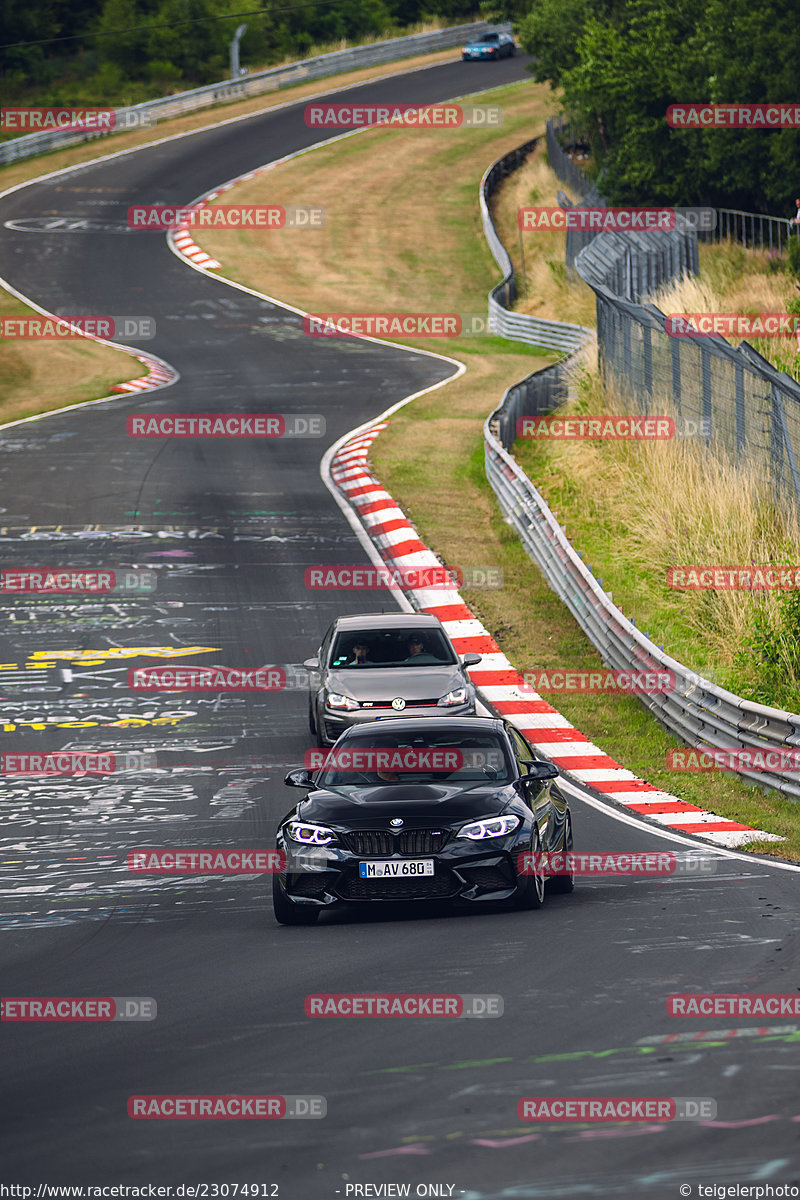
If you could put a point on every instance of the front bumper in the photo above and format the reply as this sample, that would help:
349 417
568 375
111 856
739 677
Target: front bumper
464 872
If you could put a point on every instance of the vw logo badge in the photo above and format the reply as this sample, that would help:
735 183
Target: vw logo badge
398 703
396 822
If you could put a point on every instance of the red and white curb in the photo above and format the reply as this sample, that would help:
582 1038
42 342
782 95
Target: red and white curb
182 241
498 682
189 249
159 375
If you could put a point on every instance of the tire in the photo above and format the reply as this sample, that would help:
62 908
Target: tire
319 739
563 884
286 911
534 893
314 726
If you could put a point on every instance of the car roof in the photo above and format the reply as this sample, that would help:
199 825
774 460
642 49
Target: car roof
414 725
377 621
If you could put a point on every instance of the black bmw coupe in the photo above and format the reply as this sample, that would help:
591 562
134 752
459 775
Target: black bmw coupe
422 809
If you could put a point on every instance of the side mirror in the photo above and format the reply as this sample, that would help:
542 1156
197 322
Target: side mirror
312 664
300 777
471 660
541 770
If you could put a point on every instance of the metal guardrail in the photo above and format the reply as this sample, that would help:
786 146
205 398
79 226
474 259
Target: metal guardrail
273 79
697 711
536 331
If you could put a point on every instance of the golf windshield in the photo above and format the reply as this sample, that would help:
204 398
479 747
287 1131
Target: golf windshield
426 647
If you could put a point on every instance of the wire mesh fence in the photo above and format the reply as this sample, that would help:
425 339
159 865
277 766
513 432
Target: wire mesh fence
739 403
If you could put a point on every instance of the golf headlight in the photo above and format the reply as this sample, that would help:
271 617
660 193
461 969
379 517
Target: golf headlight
338 700
457 696
490 827
310 835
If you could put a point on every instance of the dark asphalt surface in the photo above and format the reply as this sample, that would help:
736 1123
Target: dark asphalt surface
228 528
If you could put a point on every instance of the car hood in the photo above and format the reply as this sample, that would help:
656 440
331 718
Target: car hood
412 683
416 803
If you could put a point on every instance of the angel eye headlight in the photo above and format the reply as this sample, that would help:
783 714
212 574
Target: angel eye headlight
310 835
489 827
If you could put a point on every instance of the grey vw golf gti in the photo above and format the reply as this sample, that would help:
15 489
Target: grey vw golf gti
383 665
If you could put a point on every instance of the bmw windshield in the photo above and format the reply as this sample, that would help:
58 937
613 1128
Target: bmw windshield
376 759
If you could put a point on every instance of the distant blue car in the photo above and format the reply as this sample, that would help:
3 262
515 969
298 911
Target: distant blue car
489 45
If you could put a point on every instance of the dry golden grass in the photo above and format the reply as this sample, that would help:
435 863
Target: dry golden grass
39 376
636 508
734 280
415 235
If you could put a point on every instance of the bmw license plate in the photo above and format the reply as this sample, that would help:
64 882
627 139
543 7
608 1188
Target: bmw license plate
386 868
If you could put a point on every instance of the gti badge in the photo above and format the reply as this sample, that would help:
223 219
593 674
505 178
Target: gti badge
396 822
398 703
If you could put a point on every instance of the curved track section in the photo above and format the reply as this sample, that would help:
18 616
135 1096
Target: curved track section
227 530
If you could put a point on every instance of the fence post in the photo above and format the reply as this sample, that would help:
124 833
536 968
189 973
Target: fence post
675 353
741 430
705 375
647 349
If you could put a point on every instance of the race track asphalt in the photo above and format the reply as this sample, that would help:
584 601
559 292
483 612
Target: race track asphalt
228 529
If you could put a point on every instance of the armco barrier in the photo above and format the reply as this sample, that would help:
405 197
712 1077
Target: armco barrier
698 711
557 335
270 80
